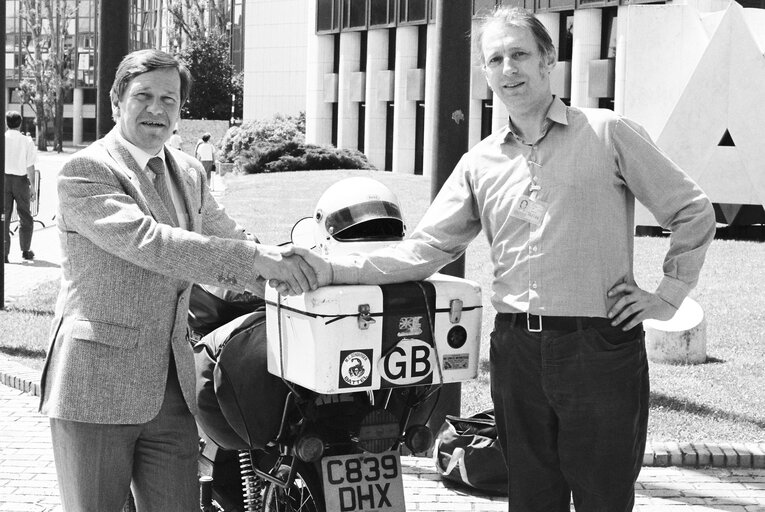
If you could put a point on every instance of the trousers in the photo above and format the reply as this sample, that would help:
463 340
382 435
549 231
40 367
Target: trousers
572 414
98 464
17 188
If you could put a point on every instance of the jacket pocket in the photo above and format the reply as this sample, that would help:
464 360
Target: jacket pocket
115 335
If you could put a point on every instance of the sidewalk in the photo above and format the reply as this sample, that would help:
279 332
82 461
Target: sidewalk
21 276
675 477
28 481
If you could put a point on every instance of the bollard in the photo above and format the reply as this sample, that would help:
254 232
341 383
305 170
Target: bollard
680 340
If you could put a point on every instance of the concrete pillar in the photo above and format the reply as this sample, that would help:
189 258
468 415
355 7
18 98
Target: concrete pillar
77 102
680 340
405 110
476 80
376 105
347 108
587 35
428 162
318 111
499 114
551 21
620 67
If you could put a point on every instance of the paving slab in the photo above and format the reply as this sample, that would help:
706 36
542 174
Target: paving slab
28 477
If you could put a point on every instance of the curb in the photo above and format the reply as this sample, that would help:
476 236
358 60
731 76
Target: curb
657 453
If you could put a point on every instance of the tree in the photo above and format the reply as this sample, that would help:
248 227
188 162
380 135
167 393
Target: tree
200 33
47 73
195 19
215 79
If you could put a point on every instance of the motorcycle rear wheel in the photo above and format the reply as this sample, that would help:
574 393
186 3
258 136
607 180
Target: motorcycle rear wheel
303 494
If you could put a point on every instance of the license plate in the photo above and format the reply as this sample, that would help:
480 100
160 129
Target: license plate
370 482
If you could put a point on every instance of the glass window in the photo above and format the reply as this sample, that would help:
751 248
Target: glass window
483 7
381 12
566 41
327 15
354 14
10 25
417 10
608 40
15 96
412 11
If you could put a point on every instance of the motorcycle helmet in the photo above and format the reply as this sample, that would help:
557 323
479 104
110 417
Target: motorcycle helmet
356 214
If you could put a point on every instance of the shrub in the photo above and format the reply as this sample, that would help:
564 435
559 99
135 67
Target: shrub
299 156
244 143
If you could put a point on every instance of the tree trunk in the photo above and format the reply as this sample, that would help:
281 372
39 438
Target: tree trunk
41 120
58 130
40 123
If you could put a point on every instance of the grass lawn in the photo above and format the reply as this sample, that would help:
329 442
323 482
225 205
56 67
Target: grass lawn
717 401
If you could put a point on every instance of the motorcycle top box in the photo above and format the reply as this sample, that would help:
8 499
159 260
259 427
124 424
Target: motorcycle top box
347 338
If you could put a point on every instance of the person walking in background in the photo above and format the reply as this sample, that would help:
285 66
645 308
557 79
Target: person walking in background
175 141
137 227
20 186
205 153
568 367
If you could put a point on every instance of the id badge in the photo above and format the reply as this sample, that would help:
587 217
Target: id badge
529 210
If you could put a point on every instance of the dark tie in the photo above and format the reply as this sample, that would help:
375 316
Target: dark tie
157 166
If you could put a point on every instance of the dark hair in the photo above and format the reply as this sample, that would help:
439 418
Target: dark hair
518 17
206 137
13 119
143 61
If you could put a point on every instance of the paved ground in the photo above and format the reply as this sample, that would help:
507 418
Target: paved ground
28 482
676 477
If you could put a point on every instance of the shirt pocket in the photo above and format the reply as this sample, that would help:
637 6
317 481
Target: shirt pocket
106 333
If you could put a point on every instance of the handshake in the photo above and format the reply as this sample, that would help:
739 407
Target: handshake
294 270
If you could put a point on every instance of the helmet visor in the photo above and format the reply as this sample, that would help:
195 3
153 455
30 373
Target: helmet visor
372 220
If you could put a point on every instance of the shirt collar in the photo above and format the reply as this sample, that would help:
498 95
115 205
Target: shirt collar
139 155
557 112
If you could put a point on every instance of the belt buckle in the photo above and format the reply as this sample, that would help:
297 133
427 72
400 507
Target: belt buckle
528 323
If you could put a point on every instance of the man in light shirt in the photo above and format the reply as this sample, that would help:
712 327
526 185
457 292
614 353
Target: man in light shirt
554 191
20 159
205 153
175 141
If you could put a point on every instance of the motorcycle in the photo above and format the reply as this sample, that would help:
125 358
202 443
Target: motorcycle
316 398
307 402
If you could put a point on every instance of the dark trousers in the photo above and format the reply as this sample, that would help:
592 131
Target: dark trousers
572 414
96 463
17 188
208 165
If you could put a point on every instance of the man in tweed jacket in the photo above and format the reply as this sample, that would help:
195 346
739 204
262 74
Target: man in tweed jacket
119 380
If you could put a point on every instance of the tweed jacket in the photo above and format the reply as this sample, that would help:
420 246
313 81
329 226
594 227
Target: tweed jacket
126 279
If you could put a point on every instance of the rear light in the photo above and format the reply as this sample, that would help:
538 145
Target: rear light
418 438
456 337
309 448
379 431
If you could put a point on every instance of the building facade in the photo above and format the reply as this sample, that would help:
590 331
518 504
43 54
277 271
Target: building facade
361 70
149 28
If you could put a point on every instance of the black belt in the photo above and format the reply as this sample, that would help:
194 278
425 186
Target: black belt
537 323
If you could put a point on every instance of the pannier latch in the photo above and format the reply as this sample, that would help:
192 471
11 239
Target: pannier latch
455 310
365 317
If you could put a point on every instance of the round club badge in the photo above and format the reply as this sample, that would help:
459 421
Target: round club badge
355 368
